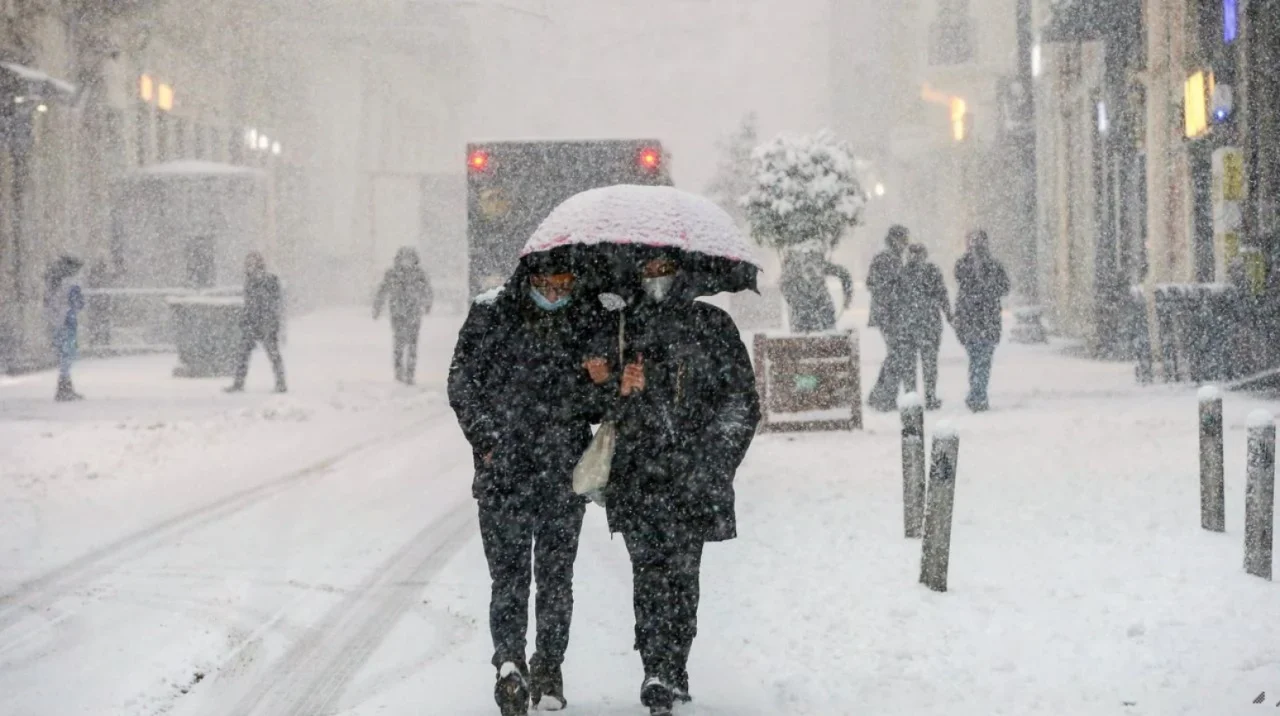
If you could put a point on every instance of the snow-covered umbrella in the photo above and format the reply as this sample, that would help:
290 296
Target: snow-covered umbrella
631 221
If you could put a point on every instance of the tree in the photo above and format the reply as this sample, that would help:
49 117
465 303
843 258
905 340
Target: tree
732 179
803 189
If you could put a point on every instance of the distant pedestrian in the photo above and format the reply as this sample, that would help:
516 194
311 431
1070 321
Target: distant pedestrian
260 321
924 304
981 282
408 290
804 284
883 283
63 302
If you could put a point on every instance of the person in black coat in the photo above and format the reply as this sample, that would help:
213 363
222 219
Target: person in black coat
804 283
524 401
260 321
686 411
924 304
408 290
883 283
981 282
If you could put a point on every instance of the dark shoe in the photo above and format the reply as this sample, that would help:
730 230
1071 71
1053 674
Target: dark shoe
66 393
234 389
680 688
281 388
511 692
546 685
656 694
933 404
977 406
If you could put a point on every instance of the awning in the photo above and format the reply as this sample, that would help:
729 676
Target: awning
48 86
1076 21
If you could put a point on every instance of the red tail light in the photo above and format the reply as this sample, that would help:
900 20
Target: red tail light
650 159
478 161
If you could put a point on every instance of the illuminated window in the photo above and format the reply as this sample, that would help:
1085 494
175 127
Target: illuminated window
1195 105
146 88
165 98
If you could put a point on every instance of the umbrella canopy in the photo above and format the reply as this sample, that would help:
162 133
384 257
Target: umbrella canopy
646 219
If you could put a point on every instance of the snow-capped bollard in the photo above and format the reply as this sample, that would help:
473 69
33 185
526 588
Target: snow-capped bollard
1260 494
913 485
1212 498
936 553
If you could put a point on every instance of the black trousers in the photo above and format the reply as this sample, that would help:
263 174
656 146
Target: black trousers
405 333
898 364
927 353
510 534
270 343
665 568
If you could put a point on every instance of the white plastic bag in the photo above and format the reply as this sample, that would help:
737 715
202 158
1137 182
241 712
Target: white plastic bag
592 473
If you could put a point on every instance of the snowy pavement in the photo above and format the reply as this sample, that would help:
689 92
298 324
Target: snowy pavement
167 549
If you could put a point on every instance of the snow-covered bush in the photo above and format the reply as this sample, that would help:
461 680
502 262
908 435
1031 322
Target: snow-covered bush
804 188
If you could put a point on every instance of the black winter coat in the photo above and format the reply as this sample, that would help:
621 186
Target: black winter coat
262 304
680 441
883 280
407 290
981 282
519 389
924 302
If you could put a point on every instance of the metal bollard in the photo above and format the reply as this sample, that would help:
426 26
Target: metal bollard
1212 487
936 552
1260 494
913 464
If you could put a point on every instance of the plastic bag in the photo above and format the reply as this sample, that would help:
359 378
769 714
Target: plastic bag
591 475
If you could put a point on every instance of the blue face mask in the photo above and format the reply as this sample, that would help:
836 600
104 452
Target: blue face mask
546 305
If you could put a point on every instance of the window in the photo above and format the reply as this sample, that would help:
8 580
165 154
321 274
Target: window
951 34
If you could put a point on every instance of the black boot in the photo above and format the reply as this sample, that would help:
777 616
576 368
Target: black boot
66 393
546 685
511 692
656 694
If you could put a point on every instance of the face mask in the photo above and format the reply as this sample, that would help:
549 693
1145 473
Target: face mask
658 288
546 305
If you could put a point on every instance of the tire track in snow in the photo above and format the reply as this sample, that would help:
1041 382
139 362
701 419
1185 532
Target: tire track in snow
313 675
39 594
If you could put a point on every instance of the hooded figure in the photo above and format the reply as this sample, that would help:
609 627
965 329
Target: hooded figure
408 290
884 285
923 294
260 320
686 409
981 283
63 302
525 403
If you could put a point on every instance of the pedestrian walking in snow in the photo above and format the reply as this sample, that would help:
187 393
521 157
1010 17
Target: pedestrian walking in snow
687 414
260 321
408 291
804 284
884 284
63 302
523 398
924 304
981 282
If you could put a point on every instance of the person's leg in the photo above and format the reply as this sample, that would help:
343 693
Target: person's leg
555 549
65 344
884 395
507 536
271 344
398 347
411 349
929 367
985 353
649 594
907 354
247 339
685 583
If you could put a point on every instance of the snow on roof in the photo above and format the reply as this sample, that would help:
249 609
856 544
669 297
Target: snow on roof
1208 394
647 215
1261 418
33 75
193 167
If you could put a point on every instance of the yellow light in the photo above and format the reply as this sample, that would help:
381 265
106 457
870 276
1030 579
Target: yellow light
958 111
146 88
1195 106
165 98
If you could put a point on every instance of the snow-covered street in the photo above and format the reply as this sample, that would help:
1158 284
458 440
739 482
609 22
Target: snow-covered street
168 549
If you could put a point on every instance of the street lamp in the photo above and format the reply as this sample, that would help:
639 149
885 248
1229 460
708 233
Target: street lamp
879 189
276 149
